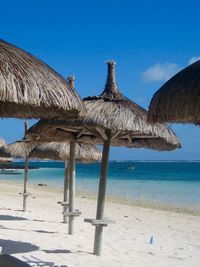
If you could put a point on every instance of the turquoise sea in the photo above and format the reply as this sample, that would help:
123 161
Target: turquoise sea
175 183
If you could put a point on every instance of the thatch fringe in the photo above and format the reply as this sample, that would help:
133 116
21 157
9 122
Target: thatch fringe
5 159
61 151
53 151
19 149
63 131
31 89
178 100
2 142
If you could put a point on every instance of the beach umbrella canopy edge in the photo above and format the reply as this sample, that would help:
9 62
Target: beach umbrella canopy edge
60 151
29 88
178 100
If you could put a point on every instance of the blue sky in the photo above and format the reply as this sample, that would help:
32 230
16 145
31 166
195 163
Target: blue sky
149 40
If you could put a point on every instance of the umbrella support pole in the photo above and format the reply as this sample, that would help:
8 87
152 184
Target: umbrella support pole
25 194
71 187
66 193
101 196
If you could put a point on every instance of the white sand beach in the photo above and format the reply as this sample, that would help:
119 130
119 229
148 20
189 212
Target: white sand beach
39 238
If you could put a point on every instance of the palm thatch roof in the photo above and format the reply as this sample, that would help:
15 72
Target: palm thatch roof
178 100
2 142
54 150
31 89
19 149
61 151
110 111
5 159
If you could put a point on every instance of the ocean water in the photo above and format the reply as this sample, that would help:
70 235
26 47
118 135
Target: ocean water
175 183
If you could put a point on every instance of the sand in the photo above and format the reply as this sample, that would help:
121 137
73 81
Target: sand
39 237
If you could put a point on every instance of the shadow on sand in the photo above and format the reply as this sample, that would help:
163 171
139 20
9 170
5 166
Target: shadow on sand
64 251
45 232
57 251
11 218
13 247
23 230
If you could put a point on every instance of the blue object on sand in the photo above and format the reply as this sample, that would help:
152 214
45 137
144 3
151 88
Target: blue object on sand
151 240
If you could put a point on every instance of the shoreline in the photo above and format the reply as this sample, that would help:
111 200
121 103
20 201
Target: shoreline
110 199
143 204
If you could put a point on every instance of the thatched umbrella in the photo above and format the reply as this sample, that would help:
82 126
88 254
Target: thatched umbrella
178 100
84 153
31 89
4 158
61 151
20 149
111 119
2 142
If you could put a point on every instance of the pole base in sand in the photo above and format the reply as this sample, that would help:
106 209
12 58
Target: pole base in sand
99 224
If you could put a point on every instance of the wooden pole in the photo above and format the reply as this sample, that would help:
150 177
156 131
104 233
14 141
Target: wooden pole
101 195
66 191
25 193
71 186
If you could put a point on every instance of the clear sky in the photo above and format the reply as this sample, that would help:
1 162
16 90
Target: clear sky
149 40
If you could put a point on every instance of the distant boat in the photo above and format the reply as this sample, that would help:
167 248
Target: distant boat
10 171
129 167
